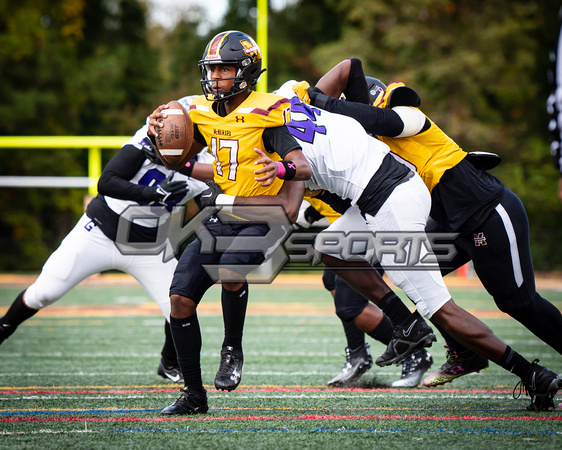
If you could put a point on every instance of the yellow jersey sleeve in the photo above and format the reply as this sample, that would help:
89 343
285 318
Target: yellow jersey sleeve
429 153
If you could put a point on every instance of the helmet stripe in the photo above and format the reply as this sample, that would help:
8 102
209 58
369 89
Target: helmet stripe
215 46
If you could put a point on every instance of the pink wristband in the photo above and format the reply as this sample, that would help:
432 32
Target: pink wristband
281 168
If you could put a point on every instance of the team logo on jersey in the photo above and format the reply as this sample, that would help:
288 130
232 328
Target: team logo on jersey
239 119
479 239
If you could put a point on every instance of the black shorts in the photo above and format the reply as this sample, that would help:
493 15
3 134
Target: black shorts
191 279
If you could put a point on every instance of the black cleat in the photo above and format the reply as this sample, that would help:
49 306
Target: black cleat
170 372
541 385
188 403
230 369
413 369
414 335
357 362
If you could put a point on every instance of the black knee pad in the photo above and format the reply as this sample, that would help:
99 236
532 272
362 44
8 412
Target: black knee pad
349 303
329 280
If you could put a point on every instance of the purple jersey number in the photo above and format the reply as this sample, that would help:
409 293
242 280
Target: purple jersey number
306 129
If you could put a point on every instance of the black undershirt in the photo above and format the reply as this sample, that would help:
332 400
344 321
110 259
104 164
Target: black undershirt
115 182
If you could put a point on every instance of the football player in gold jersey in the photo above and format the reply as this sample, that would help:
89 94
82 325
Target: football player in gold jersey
231 120
490 219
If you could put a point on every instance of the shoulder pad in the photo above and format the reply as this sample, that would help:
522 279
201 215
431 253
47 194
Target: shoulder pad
483 160
404 96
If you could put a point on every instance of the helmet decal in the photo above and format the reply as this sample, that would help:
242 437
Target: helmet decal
251 49
376 90
214 47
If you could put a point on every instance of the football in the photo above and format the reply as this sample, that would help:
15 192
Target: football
174 139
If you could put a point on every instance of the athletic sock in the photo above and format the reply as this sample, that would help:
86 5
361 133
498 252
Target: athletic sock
234 305
454 345
168 353
16 314
354 336
187 340
515 363
394 308
384 331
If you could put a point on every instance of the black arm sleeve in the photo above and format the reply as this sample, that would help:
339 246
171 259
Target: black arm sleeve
376 121
115 178
279 140
357 89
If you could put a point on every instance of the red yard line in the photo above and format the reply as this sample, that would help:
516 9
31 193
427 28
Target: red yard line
152 390
307 417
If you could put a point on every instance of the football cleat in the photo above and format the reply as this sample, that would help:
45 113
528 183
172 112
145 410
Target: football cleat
541 385
357 362
189 402
170 372
230 369
414 335
301 89
413 369
456 366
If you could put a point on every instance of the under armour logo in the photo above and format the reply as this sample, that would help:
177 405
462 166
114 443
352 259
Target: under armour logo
239 119
479 239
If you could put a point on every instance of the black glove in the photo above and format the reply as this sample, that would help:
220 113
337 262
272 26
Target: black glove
168 191
312 215
209 196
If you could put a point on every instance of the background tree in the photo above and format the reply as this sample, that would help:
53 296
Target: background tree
77 67
69 67
481 73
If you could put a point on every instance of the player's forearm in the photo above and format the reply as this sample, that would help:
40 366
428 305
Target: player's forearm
334 82
289 197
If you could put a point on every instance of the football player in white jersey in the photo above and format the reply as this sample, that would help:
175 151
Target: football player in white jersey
387 196
135 176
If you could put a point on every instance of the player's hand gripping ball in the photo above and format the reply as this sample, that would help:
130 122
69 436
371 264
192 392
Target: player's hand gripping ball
174 139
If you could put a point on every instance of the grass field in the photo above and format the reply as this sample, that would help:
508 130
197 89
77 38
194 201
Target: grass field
82 374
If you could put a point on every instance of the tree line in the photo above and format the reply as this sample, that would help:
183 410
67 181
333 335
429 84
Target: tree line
97 67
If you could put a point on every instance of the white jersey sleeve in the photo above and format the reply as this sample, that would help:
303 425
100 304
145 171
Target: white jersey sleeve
343 157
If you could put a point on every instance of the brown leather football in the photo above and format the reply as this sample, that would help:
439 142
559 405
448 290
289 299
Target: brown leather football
174 139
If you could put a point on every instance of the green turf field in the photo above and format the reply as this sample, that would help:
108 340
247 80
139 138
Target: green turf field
82 374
